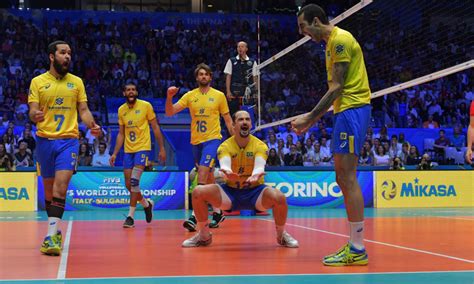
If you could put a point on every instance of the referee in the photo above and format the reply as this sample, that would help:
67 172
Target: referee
239 70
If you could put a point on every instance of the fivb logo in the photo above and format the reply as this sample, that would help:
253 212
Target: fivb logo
307 189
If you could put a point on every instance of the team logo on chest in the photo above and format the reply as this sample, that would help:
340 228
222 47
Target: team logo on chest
211 99
59 101
70 86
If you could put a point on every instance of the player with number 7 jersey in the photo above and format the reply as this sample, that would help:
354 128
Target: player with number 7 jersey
55 99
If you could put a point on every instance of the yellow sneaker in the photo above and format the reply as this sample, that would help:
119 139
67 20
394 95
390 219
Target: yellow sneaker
346 256
51 246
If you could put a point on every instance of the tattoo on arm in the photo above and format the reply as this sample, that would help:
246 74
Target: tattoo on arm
339 73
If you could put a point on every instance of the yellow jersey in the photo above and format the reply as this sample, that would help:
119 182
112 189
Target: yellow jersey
135 120
243 159
58 99
343 47
205 110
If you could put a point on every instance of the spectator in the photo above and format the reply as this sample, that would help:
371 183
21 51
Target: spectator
381 158
425 163
414 156
394 149
458 140
85 157
6 160
440 146
326 155
430 123
396 164
272 142
293 158
405 152
23 157
365 158
28 138
273 159
101 158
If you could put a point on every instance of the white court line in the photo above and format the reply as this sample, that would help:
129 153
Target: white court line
65 252
248 275
456 218
379 243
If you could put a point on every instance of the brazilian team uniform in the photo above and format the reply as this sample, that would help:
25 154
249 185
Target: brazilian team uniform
242 194
58 134
351 118
352 109
205 110
135 121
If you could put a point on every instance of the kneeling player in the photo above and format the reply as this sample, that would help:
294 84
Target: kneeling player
242 159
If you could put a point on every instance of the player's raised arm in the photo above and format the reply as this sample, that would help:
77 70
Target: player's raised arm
170 108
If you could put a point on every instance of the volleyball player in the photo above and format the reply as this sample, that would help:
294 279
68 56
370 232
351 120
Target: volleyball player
349 93
135 117
242 159
55 99
470 135
206 105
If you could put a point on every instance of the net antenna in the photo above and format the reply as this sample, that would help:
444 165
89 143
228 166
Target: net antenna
448 66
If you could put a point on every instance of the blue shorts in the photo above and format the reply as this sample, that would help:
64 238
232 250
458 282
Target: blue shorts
56 155
350 130
205 153
243 199
135 159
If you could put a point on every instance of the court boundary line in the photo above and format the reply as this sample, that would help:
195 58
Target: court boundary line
249 275
455 218
377 242
65 252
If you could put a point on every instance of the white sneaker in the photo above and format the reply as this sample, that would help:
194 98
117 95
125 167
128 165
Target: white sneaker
287 240
197 241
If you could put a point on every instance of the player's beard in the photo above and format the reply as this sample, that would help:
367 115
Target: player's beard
132 100
204 85
244 132
60 69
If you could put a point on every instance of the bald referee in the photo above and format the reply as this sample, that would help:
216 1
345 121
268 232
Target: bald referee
349 93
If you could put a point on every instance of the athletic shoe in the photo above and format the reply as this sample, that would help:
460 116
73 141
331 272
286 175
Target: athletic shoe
287 240
217 218
198 241
50 246
129 223
190 224
59 238
149 211
347 255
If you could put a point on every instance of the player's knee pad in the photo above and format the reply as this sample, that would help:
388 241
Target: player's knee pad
135 179
135 185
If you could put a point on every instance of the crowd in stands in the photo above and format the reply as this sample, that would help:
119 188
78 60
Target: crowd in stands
379 149
107 55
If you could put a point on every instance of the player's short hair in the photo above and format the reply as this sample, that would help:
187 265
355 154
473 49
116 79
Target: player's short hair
312 10
129 84
202 66
52 47
103 144
234 116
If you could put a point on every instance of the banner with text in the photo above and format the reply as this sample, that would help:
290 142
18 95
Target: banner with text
317 189
18 191
424 189
105 190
